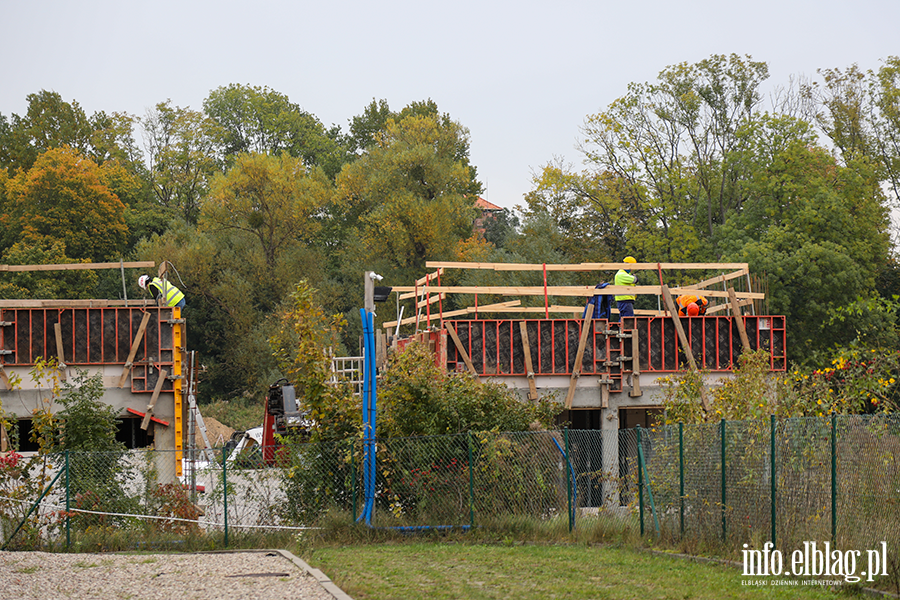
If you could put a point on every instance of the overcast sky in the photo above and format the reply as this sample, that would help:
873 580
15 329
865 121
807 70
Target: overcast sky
522 76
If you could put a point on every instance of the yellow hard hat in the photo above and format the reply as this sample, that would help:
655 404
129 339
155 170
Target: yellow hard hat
629 259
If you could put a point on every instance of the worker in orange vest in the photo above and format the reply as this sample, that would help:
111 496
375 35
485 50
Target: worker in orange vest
691 305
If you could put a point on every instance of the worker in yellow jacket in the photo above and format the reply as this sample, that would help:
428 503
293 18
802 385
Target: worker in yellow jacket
625 302
170 295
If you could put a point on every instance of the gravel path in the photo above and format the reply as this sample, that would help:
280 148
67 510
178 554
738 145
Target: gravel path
262 575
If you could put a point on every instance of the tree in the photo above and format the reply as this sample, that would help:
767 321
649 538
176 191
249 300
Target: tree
274 199
417 398
263 121
44 284
677 144
62 197
182 150
50 122
414 192
302 345
820 232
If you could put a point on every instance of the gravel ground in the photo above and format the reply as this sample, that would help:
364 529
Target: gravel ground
263 575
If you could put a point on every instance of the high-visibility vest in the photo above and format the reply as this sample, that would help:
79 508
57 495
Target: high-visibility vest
171 293
623 277
685 299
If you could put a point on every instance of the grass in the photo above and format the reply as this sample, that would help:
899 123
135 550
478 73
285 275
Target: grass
459 570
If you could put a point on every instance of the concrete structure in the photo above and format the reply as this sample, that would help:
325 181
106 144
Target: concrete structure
606 372
138 349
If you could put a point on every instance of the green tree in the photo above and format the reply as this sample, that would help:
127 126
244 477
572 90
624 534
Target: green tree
62 197
44 284
263 121
677 144
417 398
50 122
274 199
818 230
415 194
182 151
86 422
302 343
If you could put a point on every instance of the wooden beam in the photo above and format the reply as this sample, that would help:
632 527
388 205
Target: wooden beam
723 307
739 320
718 279
60 353
635 365
582 267
529 368
99 303
78 266
670 304
570 290
156 390
134 348
576 369
461 349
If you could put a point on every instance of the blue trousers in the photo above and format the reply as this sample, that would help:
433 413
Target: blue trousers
626 308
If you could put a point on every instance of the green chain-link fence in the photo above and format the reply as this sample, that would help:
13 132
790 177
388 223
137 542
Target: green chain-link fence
726 483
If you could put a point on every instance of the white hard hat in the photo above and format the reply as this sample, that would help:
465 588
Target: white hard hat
142 281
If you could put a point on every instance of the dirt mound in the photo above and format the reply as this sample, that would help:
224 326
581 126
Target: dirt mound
217 432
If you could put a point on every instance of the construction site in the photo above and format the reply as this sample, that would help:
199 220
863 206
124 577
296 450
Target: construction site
604 372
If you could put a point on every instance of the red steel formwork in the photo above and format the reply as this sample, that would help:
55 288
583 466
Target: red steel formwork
91 337
495 346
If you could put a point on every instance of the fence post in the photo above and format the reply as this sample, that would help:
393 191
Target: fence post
225 495
471 482
833 477
640 479
681 474
353 479
773 475
68 487
569 481
722 436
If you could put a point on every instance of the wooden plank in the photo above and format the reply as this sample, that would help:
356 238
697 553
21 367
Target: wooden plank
717 279
582 342
500 309
430 277
635 365
99 303
529 368
462 311
575 290
670 304
4 439
60 353
724 307
582 267
78 266
5 378
739 320
159 384
432 299
462 351
134 348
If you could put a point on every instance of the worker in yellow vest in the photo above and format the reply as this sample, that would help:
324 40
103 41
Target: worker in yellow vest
163 291
625 302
